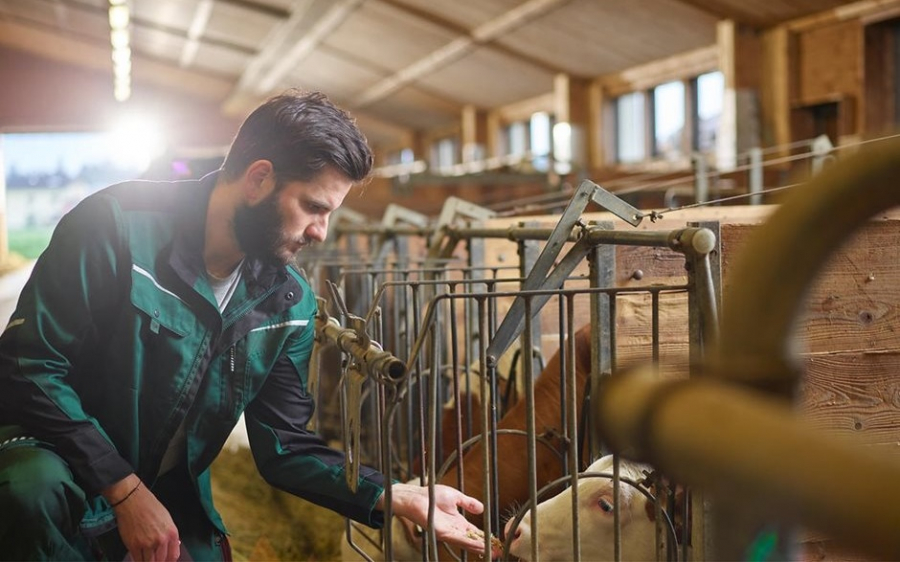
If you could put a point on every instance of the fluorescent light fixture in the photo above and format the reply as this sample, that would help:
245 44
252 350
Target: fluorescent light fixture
119 38
119 17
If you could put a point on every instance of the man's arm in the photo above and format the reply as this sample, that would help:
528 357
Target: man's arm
73 284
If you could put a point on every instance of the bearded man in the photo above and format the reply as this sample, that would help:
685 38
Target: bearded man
159 313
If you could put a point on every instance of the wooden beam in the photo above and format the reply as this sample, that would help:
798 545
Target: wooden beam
457 29
721 12
676 67
473 133
862 10
94 56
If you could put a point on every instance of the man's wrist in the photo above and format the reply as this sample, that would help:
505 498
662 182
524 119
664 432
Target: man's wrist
116 493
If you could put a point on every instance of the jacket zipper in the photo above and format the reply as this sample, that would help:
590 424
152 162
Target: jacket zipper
232 371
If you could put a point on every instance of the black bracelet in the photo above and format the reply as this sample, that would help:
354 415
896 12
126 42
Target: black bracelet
128 495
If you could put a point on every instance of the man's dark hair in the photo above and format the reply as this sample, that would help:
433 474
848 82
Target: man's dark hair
300 133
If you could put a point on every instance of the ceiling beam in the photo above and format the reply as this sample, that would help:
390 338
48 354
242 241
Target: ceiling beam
51 44
272 63
195 32
717 10
457 29
459 47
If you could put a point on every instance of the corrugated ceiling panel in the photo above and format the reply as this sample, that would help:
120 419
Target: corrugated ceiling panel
157 43
220 60
240 26
76 20
387 37
487 78
586 38
334 75
174 14
415 109
465 13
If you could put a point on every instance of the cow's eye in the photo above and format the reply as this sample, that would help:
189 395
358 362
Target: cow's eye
605 505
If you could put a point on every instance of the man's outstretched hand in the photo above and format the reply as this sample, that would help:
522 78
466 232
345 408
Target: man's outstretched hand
450 525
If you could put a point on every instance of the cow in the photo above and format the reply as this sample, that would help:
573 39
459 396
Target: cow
596 520
514 480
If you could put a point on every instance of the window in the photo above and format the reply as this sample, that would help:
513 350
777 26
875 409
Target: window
541 140
668 120
444 153
403 156
630 128
710 88
515 138
46 174
683 115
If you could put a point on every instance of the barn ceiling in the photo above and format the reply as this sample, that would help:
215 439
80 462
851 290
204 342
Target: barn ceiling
399 65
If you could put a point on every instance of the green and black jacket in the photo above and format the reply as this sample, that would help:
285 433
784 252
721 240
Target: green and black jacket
117 339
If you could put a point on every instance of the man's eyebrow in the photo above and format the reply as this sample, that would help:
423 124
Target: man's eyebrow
324 204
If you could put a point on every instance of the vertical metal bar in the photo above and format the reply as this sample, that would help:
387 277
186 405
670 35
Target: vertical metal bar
612 297
488 444
571 399
529 251
756 175
440 453
703 512
701 178
601 271
431 410
532 435
617 511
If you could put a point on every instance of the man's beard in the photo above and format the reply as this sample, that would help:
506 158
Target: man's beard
259 231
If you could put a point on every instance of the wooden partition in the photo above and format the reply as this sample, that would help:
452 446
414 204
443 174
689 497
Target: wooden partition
848 332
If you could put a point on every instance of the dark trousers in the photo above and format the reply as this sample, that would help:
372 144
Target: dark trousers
42 508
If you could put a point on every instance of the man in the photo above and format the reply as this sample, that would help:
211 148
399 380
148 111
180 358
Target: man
158 314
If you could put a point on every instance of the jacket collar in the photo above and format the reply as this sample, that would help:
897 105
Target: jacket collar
186 257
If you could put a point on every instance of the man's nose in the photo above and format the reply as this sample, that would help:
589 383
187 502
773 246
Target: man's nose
317 230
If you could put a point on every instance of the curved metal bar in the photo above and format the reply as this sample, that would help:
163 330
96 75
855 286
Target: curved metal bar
750 450
783 257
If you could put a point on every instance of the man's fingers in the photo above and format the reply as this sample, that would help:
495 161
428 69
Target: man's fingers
174 550
472 505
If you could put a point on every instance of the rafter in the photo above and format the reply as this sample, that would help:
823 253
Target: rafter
467 41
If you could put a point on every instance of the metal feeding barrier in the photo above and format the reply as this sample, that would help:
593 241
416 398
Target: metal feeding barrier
464 342
732 432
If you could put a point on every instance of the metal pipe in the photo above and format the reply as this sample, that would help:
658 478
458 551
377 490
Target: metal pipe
685 240
372 356
752 452
511 233
749 449
783 257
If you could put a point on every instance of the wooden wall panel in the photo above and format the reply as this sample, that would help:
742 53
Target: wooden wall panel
830 67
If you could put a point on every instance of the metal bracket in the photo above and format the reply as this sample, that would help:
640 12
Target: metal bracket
395 215
440 244
540 276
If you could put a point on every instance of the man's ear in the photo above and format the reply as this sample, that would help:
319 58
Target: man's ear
259 181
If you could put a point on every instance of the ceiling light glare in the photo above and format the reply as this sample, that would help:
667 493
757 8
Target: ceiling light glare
119 38
119 17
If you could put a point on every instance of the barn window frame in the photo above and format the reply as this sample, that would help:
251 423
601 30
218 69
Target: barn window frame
640 107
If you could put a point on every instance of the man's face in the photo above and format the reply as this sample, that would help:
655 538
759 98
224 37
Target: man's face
293 215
